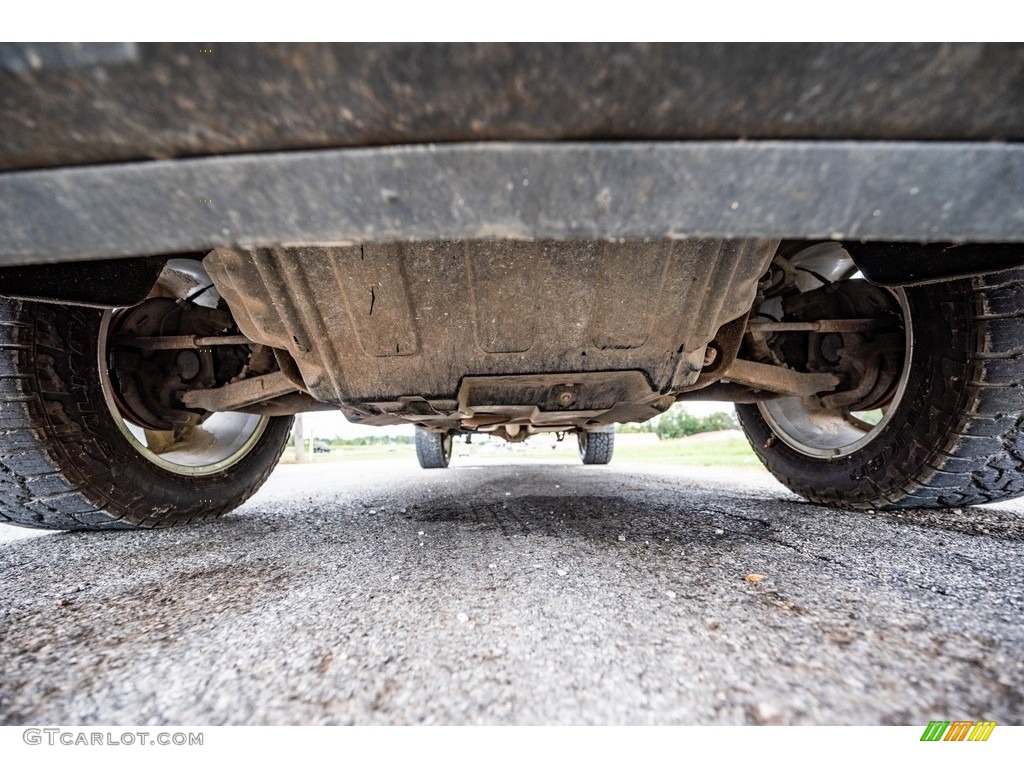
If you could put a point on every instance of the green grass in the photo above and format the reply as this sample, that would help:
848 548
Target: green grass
726 452
733 451
357 453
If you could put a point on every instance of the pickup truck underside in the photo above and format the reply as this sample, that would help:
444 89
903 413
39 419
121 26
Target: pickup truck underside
504 337
508 240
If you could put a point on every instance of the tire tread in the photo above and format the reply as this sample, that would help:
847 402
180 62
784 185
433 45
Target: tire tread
969 442
54 465
600 446
430 449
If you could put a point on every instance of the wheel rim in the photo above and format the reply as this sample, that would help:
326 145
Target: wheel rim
581 438
801 423
446 448
221 441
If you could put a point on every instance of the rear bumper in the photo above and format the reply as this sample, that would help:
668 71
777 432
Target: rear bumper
871 191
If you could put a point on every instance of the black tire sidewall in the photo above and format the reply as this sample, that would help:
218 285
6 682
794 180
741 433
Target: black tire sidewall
94 454
897 460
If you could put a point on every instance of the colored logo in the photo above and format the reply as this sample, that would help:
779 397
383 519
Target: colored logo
958 730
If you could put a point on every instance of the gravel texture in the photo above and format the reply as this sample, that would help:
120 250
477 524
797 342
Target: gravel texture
520 593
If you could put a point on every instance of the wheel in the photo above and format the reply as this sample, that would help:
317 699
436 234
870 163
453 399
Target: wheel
596 447
433 449
936 417
71 461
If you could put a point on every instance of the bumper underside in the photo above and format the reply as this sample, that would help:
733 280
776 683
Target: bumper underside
909 192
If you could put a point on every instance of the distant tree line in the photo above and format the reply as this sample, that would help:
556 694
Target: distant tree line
678 422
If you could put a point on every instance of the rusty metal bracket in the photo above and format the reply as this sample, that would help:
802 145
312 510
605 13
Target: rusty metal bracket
179 342
852 325
777 379
240 394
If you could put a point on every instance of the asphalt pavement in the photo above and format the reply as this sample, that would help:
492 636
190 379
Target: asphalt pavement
504 592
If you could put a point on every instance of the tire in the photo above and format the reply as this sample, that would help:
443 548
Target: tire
67 463
596 447
433 449
955 436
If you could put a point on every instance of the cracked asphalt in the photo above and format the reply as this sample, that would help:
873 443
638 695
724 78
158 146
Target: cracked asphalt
520 593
